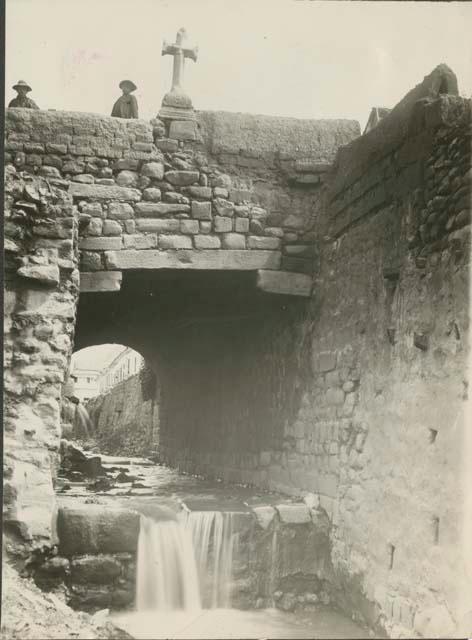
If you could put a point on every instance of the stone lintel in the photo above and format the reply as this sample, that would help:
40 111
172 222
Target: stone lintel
237 260
100 281
285 283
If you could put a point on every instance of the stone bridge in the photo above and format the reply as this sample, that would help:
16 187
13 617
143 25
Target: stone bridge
302 294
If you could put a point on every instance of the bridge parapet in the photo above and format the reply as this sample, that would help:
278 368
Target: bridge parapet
239 192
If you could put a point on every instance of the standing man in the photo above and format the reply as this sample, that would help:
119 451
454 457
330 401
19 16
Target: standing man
127 105
21 101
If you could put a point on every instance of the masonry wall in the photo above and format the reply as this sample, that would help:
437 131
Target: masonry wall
126 419
360 399
41 292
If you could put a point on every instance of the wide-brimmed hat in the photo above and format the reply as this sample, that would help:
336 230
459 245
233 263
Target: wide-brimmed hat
128 83
22 83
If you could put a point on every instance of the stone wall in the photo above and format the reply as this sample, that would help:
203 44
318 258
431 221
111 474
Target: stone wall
246 200
41 291
359 396
125 421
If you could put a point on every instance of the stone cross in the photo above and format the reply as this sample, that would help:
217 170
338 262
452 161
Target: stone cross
180 52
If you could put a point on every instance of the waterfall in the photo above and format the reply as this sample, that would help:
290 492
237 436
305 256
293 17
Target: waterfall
166 577
82 422
185 563
214 543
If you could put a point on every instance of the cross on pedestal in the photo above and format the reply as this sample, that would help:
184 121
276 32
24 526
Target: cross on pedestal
177 105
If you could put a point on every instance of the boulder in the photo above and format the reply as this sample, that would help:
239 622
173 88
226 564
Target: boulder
94 529
294 513
100 569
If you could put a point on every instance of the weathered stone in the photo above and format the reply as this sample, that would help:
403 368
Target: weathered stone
158 209
47 275
100 244
95 227
90 261
201 210
120 210
207 242
326 360
84 178
223 207
127 178
99 569
294 222
153 170
233 240
100 281
93 529
241 225
299 250
152 194
222 225
183 130
286 283
161 226
335 396
126 164
297 513
174 242
189 226
193 259
101 192
264 516
222 180
167 145
261 242
276 232
140 241
200 192
112 228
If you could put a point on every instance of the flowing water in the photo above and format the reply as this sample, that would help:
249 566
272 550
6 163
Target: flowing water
82 422
185 564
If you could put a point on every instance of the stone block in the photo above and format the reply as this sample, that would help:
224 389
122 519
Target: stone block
90 261
222 224
204 193
223 207
126 164
301 250
84 178
95 227
47 275
233 240
189 226
260 242
100 281
297 265
174 242
153 170
100 569
100 244
207 242
152 194
193 259
120 210
94 529
167 225
160 209
241 225
285 283
167 145
182 178
140 241
335 397
201 210
326 360
103 192
112 228
297 513
183 130
264 515
276 232
219 192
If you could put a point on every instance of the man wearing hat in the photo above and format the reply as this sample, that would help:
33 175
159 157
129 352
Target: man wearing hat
127 105
21 101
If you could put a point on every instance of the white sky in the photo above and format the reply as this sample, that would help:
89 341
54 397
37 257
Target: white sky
97 358
305 59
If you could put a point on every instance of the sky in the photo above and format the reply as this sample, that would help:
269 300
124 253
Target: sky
299 58
97 357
